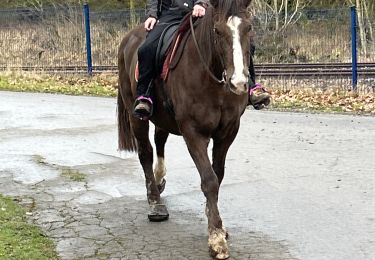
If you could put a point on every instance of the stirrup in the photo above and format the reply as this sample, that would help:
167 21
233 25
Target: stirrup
264 102
257 87
143 115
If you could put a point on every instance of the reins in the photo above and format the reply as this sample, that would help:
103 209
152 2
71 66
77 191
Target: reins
223 80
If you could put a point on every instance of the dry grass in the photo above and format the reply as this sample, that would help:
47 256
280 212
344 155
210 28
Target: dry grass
312 42
322 95
60 41
94 4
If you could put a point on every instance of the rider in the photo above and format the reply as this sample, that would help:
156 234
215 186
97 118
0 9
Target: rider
161 13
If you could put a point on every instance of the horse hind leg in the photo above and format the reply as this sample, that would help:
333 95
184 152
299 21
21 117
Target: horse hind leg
133 133
158 210
160 171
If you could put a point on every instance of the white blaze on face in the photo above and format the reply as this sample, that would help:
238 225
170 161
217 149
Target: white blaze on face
238 79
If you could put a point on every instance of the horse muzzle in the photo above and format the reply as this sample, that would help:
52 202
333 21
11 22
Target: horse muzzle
238 86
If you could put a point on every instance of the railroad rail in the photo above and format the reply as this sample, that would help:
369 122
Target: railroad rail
285 70
308 70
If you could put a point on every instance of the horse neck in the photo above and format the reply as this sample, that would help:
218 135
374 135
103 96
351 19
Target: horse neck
205 38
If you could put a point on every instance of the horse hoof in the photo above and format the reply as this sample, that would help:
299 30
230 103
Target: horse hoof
161 186
220 255
218 244
158 213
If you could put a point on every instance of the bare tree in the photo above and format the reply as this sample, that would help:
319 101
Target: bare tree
132 12
288 9
361 25
370 33
365 27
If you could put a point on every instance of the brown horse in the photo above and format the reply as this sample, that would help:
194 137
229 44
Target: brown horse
209 92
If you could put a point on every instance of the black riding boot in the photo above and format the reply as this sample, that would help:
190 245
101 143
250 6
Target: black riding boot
258 100
143 105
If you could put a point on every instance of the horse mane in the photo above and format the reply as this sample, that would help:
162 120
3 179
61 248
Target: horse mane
205 26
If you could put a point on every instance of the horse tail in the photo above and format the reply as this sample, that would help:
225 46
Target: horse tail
126 138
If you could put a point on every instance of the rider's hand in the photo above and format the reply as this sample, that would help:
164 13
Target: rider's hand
150 23
199 11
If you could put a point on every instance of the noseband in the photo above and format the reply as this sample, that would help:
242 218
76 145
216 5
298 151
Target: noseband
224 74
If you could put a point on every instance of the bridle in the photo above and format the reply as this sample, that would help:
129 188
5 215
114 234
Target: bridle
224 79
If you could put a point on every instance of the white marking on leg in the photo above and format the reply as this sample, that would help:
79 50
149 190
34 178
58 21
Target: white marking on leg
159 171
218 244
238 79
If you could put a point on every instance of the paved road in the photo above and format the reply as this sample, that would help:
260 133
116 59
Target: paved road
297 186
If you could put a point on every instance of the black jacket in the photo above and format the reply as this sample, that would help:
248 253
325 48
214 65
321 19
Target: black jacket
155 7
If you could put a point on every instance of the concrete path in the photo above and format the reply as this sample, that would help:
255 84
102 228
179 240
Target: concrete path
297 186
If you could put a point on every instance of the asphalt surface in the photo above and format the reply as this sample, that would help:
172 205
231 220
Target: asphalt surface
297 186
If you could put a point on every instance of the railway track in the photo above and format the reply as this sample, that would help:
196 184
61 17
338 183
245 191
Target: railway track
309 70
301 70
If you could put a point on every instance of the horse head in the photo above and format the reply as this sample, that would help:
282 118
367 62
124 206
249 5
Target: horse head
232 33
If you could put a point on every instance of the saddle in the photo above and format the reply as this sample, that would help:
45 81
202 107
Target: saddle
165 41
169 51
170 47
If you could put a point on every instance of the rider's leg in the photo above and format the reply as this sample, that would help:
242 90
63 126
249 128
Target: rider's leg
257 100
147 71
146 64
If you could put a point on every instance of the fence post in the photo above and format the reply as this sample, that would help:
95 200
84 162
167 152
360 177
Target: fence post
354 48
86 11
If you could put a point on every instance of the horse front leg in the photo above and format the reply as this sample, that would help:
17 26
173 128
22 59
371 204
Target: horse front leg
160 171
197 146
158 210
219 153
222 142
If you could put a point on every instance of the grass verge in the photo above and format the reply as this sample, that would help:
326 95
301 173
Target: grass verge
303 97
18 239
102 85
